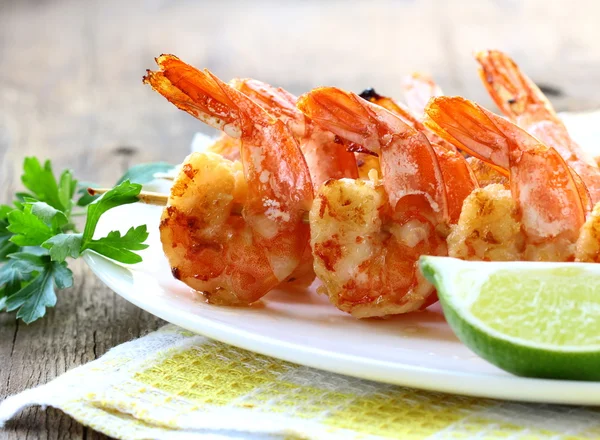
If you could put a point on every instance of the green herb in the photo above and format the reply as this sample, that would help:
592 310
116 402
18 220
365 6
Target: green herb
41 182
144 172
119 247
38 234
6 246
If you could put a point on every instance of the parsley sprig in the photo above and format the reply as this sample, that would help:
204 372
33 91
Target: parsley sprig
38 233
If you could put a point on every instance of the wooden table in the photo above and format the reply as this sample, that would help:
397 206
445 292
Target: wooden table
71 91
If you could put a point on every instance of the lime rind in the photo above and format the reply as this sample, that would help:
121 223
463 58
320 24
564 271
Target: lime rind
518 356
473 275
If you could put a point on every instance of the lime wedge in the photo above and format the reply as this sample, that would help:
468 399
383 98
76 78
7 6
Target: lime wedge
531 319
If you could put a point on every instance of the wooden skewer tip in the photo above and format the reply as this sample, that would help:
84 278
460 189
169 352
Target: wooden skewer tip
150 198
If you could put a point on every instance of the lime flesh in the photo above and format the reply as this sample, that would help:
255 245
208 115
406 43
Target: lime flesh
531 319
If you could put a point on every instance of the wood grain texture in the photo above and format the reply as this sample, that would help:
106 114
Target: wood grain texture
70 90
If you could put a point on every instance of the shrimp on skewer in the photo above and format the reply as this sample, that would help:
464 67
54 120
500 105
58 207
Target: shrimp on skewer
368 162
325 154
325 157
233 260
419 89
525 104
367 235
457 175
407 115
542 214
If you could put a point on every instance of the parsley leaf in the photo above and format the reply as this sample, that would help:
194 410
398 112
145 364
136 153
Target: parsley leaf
122 194
4 210
66 190
115 246
144 172
12 274
62 246
28 229
29 279
6 246
54 218
119 248
35 224
16 270
41 182
8 289
32 299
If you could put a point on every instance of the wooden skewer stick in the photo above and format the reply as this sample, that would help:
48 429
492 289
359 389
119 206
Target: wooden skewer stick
147 197
160 199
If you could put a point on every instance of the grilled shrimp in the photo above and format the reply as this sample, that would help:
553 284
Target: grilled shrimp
367 235
525 104
457 175
226 146
325 154
419 89
546 194
588 244
233 260
407 115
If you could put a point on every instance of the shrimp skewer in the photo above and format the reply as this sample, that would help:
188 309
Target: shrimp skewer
233 260
546 195
325 154
524 103
367 235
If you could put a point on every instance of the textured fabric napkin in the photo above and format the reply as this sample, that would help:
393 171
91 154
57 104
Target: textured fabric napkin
172 384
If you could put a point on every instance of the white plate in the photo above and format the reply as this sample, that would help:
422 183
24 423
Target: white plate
417 350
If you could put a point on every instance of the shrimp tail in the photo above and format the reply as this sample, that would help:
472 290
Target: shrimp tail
275 100
459 177
533 166
325 154
454 119
418 89
523 102
342 113
513 92
199 93
394 106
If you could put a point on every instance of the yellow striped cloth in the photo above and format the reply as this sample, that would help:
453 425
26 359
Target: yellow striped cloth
172 384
